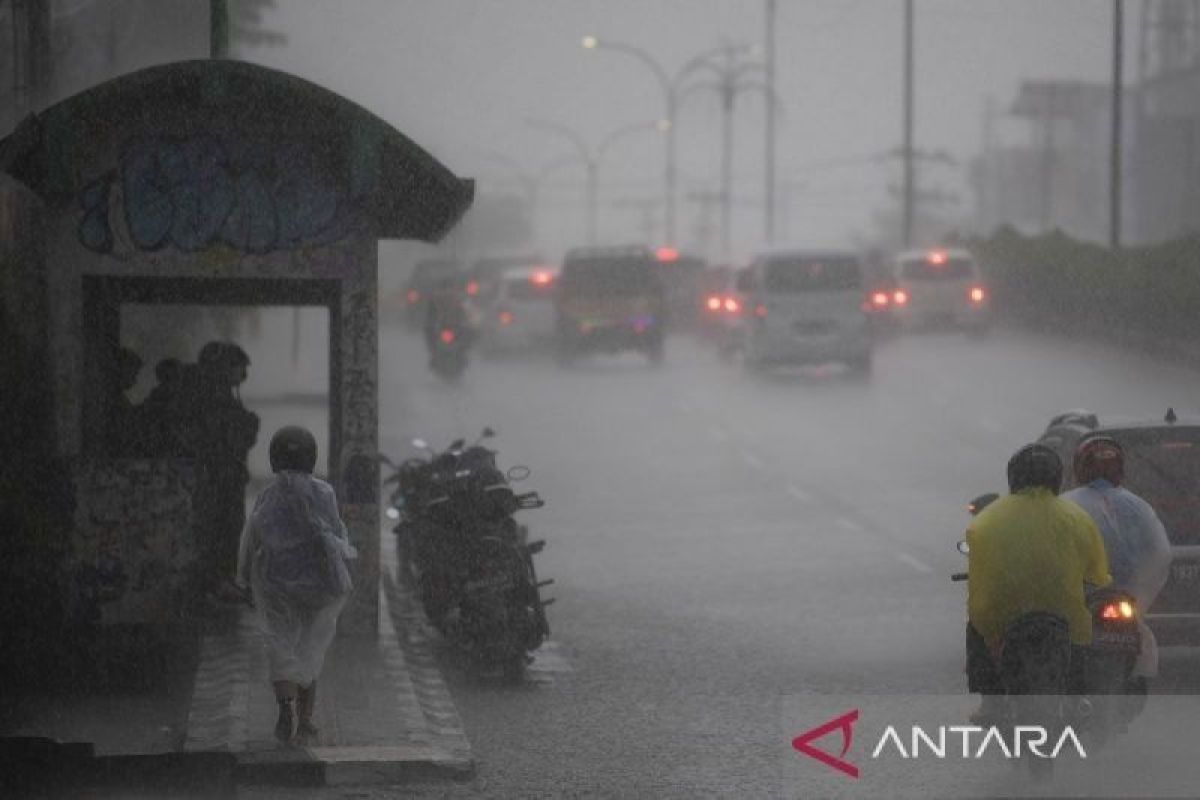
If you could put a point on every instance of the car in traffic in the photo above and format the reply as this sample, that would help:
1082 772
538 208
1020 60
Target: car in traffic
609 300
940 287
1162 466
519 314
723 312
806 307
485 273
426 275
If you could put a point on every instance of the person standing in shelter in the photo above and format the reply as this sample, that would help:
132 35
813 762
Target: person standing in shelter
293 557
124 435
160 411
222 432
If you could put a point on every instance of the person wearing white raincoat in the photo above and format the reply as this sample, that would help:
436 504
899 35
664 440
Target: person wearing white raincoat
1139 552
293 556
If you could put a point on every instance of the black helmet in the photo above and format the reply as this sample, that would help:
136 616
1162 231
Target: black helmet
1035 465
293 448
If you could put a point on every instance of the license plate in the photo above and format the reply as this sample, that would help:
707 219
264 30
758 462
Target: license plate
1117 640
812 328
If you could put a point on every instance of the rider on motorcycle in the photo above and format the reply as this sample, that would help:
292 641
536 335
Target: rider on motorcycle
1029 551
1139 552
446 309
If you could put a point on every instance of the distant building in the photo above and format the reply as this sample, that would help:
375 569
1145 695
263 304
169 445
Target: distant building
1060 177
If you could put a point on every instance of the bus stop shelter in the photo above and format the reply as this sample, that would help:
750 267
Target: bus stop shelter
222 183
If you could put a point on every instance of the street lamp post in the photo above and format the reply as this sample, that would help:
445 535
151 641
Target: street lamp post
731 73
590 157
671 100
531 181
673 92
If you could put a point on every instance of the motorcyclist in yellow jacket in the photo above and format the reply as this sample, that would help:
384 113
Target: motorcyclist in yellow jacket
1029 551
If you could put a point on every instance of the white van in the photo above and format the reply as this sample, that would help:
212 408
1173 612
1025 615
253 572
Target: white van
807 307
940 286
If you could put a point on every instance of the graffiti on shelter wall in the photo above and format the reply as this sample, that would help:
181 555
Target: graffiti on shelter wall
133 539
196 193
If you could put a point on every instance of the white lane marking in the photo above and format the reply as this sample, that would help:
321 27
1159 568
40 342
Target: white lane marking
849 524
719 433
752 461
799 494
915 563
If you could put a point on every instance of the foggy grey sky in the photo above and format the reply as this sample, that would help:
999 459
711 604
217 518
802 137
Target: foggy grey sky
461 77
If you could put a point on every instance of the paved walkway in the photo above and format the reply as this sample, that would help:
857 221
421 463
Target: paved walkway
383 710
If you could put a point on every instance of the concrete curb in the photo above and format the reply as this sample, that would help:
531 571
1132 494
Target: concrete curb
426 742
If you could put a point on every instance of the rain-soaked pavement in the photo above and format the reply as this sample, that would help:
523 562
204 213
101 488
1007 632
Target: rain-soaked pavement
723 543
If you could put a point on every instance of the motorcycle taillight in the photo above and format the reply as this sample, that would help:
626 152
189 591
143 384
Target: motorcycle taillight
1117 610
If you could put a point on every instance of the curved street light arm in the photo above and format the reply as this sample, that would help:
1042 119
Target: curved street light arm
705 59
641 55
562 130
685 92
620 133
568 160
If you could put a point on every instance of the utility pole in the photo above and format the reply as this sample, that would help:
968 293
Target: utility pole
218 43
769 177
909 189
1114 200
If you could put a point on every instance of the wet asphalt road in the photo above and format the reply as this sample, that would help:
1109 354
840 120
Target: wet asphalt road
723 542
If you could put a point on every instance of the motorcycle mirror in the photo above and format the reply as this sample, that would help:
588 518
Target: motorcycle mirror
457 444
392 513
964 548
487 433
518 473
420 444
383 459
982 502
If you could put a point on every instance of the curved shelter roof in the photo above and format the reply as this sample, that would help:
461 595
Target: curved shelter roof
393 185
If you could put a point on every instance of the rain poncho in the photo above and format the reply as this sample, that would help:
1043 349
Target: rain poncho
293 556
1031 551
1139 552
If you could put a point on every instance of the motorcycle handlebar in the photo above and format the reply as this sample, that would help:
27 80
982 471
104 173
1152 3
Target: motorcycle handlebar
958 576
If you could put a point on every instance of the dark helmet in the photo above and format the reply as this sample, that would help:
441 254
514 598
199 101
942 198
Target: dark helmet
222 354
1035 465
1099 457
168 370
211 354
293 448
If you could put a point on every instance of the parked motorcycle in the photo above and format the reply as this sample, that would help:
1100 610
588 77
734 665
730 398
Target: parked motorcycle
469 560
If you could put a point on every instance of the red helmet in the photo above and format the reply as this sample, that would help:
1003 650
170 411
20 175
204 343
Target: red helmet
1099 457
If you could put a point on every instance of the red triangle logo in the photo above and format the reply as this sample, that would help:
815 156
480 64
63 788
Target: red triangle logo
844 723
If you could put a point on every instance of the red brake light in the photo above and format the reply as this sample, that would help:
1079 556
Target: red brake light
542 278
447 336
732 305
713 303
977 294
506 317
879 299
1118 610
666 254
472 288
900 297
413 295
937 257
